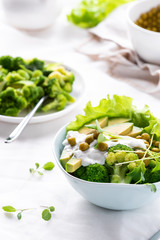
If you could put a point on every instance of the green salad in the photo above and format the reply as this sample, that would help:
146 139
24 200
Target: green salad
24 82
113 142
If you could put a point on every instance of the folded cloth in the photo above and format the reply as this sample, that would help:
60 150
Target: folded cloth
109 42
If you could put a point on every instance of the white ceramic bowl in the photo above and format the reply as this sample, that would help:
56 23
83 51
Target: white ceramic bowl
146 43
108 195
32 14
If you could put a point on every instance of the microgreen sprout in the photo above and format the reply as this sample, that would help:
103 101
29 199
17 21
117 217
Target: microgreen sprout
93 126
152 186
11 209
46 213
47 166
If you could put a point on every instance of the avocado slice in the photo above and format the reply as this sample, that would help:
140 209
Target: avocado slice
65 156
73 164
135 132
119 129
114 121
102 122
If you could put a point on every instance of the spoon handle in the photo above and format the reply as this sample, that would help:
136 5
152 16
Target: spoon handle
16 132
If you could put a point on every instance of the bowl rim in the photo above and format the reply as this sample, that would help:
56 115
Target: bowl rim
121 185
131 6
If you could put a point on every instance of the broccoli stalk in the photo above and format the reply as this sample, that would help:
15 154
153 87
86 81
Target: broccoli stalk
120 175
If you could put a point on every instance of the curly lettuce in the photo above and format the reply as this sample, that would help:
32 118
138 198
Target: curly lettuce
91 12
118 106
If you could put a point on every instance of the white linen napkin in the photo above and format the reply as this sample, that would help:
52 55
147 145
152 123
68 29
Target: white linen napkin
110 42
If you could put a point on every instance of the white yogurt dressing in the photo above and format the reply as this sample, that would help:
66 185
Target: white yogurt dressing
93 155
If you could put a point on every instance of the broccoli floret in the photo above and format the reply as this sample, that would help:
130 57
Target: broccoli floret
17 63
3 73
117 154
132 166
110 159
58 76
11 63
53 88
120 156
93 173
6 62
119 147
47 72
32 93
35 64
97 173
68 87
23 74
37 73
58 103
131 157
39 81
62 73
81 173
13 77
11 103
151 177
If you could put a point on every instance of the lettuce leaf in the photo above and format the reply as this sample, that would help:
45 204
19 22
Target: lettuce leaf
118 106
154 128
137 174
91 12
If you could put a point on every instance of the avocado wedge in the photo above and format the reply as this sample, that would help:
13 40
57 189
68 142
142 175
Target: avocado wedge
119 129
102 122
135 132
114 121
65 156
73 164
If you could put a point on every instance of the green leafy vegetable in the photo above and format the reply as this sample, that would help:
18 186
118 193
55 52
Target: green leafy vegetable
101 138
37 165
19 215
9 209
137 174
52 209
118 106
46 215
48 166
152 187
91 12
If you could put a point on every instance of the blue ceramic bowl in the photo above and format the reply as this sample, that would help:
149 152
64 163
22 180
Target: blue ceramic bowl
108 195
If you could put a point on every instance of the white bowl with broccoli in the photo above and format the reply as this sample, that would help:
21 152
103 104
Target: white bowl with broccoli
113 162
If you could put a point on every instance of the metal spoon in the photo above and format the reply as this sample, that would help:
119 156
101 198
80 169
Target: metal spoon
16 132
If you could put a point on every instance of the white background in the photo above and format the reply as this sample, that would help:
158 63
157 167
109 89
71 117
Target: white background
74 217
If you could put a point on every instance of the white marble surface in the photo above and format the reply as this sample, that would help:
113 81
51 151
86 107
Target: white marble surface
74 218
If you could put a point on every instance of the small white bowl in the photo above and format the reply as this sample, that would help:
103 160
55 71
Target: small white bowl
32 14
145 42
108 195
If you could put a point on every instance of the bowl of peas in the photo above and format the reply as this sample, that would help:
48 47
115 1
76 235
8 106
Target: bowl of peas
143 20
